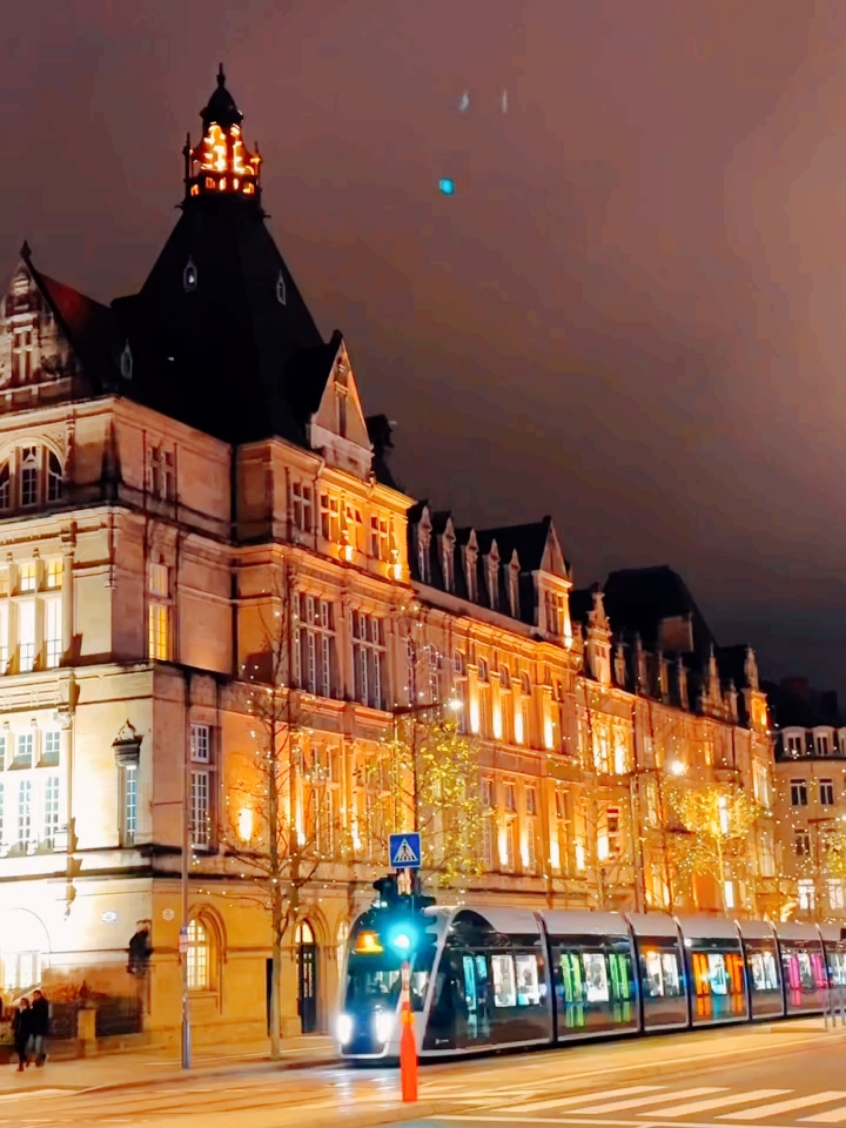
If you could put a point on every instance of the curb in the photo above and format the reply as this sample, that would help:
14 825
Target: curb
211 1073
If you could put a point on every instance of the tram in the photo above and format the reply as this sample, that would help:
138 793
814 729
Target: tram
488 979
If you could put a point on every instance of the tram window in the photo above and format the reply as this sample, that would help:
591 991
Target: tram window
596 977
838 968
571 977
528 981
620 968
365 985
662 974
717 973
805 973
763 968
505 994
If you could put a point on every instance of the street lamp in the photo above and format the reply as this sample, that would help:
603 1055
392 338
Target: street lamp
677 768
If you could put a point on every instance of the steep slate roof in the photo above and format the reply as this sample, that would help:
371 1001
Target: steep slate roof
796 704
529 541
637 599
239 354
88 326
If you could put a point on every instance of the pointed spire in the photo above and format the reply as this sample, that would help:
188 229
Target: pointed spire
221 163
26 252
221 109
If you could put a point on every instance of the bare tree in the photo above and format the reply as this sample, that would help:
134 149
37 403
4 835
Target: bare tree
281 822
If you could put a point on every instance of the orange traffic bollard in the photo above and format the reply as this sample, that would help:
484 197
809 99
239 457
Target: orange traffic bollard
408 1057
408 1048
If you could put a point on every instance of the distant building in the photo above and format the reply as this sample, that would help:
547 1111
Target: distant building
194 461
810 773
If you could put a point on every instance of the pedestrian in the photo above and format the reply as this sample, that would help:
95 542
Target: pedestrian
21 1032
39 1027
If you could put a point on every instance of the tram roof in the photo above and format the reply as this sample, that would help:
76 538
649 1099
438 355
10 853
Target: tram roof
585 924
518 922
796 930
708 928
757 930
830 933
653 924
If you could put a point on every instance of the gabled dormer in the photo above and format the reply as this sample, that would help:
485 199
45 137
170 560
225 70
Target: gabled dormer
420 538
445 544
469 559
338 429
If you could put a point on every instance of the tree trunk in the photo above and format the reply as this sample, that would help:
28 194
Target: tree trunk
275 978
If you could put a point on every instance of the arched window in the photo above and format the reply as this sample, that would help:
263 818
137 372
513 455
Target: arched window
304 934
189 276
281 289
54 478
199 957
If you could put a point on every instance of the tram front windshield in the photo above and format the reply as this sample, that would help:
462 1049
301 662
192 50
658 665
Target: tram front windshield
376 980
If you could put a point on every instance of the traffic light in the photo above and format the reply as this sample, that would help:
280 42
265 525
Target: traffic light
386 887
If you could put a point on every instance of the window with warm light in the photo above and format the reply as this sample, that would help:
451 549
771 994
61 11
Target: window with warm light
380 544
129 804
158 613
198 957
302 507
368 654
798 793
330 518
314 644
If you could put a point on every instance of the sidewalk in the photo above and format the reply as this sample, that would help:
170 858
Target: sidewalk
155 1065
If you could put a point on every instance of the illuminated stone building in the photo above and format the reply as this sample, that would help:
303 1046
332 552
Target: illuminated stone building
192 463
810 807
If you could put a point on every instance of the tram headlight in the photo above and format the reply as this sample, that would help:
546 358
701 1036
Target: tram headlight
383 1025
344 1029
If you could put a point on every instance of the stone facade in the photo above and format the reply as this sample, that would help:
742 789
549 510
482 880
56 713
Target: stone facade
142 558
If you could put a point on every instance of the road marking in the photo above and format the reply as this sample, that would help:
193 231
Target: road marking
562 1102
639 1102
720 1102
784 1106
833 1116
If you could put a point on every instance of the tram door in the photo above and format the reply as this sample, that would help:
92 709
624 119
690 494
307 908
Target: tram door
307 979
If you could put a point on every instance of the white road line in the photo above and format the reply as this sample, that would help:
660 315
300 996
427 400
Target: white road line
833 1116
721 1102
784 1106
639 1102
562 1102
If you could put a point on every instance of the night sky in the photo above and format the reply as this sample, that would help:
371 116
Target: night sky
629 314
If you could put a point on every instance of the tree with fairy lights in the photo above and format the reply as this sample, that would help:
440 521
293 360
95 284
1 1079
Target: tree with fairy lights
282 821
710 832
426 776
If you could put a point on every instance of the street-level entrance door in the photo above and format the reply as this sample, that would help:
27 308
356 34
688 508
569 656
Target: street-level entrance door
307 968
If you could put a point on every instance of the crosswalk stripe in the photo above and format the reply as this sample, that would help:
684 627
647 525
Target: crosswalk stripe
639 1102
779 1107
562 1102
833 1116
688 1109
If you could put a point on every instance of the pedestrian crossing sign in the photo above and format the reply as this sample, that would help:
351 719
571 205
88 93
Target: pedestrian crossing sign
404 850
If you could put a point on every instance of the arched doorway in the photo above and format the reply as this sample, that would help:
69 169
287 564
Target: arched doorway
307 977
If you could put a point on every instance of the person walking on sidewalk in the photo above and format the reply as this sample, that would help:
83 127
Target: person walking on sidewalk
21 1032
39 1026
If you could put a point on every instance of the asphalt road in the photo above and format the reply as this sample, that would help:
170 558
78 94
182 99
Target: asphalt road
651 1083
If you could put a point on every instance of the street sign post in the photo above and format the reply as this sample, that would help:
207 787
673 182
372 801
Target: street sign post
404 850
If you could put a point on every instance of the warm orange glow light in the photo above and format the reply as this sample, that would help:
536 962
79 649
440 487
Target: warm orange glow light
367 944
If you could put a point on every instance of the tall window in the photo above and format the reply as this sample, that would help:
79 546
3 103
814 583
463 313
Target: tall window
380 541
330 518
826 792
201 744
835 893
303 507
54 478
161 475
801 843
24 753
488 796
26 635
522 715
51 744
484 678
822 744
129 804
5 487
24 836
530 853
53 573
27 576
368 655
314 644
158 613
411 665
506 704
29 476
448 562
52 632
50 811
807 895
798 793
200 808
560 839
470 564
555 612
198 957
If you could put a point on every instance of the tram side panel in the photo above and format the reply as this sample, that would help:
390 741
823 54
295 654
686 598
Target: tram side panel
763 970
715 970
803 968
491 986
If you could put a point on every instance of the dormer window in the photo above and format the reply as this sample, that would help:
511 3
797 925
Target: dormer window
126 362
189 276
470 559
281 289
492 578
423 555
